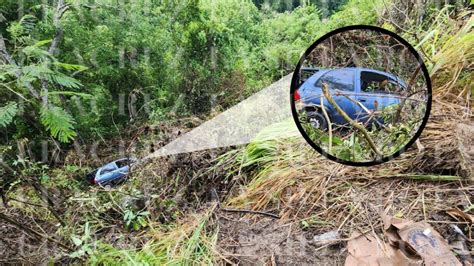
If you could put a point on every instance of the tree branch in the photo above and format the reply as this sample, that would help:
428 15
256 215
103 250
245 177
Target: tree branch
410 84
251 212
353 123
58 36
3 50
329 123
42 193
33 232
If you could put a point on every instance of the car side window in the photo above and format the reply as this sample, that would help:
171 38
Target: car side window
394 87
372 82
339 79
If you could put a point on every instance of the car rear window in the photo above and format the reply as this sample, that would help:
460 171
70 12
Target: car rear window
339 79
122 163
306 73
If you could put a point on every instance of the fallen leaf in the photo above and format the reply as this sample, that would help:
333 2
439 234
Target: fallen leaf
460 215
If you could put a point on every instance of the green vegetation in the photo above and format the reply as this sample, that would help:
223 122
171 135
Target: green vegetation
90 64
87 78
371 130
293 166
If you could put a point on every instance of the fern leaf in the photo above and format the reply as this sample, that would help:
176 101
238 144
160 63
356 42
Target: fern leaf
42 43
64 80
28 22
35 51
7 113
59 123
71 93
36 71
70 66
33 72
8 71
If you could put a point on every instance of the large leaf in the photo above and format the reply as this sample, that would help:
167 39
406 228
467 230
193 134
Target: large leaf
7 113
59 123
42 43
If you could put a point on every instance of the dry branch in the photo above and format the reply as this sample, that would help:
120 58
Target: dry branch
353 123
33 232
410 84
329 124
251 212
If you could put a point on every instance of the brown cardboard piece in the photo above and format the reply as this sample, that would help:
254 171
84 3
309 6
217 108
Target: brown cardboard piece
366 250
410 243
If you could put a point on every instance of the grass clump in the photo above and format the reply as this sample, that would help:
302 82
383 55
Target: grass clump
189 242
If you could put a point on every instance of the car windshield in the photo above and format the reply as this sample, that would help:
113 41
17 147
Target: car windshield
339 79
122 163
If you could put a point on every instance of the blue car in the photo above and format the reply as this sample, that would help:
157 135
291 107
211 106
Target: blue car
111 173
358 91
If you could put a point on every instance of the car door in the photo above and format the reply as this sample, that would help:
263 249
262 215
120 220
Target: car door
341 83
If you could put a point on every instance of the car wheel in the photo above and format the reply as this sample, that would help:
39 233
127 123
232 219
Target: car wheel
317 120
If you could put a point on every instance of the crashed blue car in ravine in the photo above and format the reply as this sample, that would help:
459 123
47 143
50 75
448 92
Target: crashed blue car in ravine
111 173
358 91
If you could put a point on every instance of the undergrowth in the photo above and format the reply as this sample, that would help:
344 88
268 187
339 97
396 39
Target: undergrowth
282 172
191 241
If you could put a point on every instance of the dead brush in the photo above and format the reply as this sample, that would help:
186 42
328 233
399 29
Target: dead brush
451 65
420 184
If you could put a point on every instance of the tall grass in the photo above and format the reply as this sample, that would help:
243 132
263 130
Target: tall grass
288 175
189 242
448 47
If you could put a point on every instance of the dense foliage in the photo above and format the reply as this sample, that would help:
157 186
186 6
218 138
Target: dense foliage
83 71
386 128
78 72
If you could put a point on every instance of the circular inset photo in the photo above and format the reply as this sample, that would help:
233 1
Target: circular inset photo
360 95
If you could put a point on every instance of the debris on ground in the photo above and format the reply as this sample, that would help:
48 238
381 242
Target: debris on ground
369 250
419 239
461 216
266 241
409 243
327 237
458 242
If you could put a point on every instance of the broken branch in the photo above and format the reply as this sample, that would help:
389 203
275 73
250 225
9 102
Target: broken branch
252 212
33 232
353 123
329 124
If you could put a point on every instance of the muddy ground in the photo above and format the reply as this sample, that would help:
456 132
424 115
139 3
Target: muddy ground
269 242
